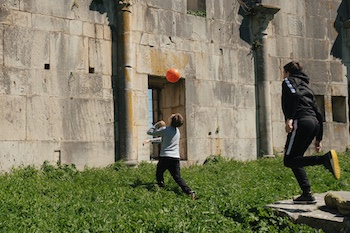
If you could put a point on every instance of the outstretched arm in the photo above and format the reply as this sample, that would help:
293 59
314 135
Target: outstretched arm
152 140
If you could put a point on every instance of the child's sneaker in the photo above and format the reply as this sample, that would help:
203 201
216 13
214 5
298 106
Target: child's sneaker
305 199
193 195
331 163
161 184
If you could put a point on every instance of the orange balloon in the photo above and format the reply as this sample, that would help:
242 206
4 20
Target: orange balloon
173 75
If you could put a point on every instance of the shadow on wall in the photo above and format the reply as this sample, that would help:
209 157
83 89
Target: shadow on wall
342 16
244 11
110 8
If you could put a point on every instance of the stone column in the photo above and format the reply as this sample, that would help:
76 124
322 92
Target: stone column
261 15
124 81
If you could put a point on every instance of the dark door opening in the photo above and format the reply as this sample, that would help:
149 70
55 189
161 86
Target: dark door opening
165 98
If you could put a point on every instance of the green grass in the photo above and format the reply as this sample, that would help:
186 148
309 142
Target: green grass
232 196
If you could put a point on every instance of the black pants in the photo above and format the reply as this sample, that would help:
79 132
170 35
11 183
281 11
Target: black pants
304 131
173 165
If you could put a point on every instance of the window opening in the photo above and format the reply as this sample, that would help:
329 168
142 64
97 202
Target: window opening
196 7
339 109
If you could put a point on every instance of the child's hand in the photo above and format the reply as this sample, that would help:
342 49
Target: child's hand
159 124
145 142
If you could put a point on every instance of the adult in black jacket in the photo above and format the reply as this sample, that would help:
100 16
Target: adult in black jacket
303 123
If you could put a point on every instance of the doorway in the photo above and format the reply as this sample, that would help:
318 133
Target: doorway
165 98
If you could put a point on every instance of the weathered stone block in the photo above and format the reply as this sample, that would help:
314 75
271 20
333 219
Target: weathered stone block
160 4
1 46
87 154
297 8
179 6
99 31
62 9
84 124
313 29
50 23
107 33
245 67
245 150
317 8
76 27
89 29
151 20
199 29
245 96
96 58
227 119
199 149
317 71
14 81
337 72
246 128
21 19
13 118
39 119
10 4
25 153
40 50
280 136
17 52
68 52
320 49
84 85
205 122
295 26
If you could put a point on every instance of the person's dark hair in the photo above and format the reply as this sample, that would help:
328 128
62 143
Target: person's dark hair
293 67
177 120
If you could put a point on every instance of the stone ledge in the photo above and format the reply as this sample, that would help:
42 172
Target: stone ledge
317 216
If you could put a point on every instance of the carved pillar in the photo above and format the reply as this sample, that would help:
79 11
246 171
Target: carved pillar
261 15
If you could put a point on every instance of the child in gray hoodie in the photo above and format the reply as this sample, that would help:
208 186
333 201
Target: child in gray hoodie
169 158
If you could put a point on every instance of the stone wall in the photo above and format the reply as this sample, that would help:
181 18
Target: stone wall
225 75
216 66
75 76
311 32
55 84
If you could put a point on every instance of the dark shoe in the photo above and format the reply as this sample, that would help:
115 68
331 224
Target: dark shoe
161 184
331 163
305 199
193 195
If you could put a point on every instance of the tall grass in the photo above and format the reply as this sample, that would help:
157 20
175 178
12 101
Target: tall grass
232 196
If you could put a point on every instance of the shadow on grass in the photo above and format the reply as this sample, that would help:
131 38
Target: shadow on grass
152 186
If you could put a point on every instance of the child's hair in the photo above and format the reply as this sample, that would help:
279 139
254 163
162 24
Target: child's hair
176 120
293 67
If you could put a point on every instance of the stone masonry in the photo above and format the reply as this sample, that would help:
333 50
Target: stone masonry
55 84
76 76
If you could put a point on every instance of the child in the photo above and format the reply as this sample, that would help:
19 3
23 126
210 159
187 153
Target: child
169 158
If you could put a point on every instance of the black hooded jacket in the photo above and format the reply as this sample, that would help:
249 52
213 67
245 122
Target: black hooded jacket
298 100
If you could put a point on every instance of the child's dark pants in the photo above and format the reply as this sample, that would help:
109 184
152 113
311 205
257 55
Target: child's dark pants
173 165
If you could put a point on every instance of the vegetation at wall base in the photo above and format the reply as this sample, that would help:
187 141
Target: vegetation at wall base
232 197
197 13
